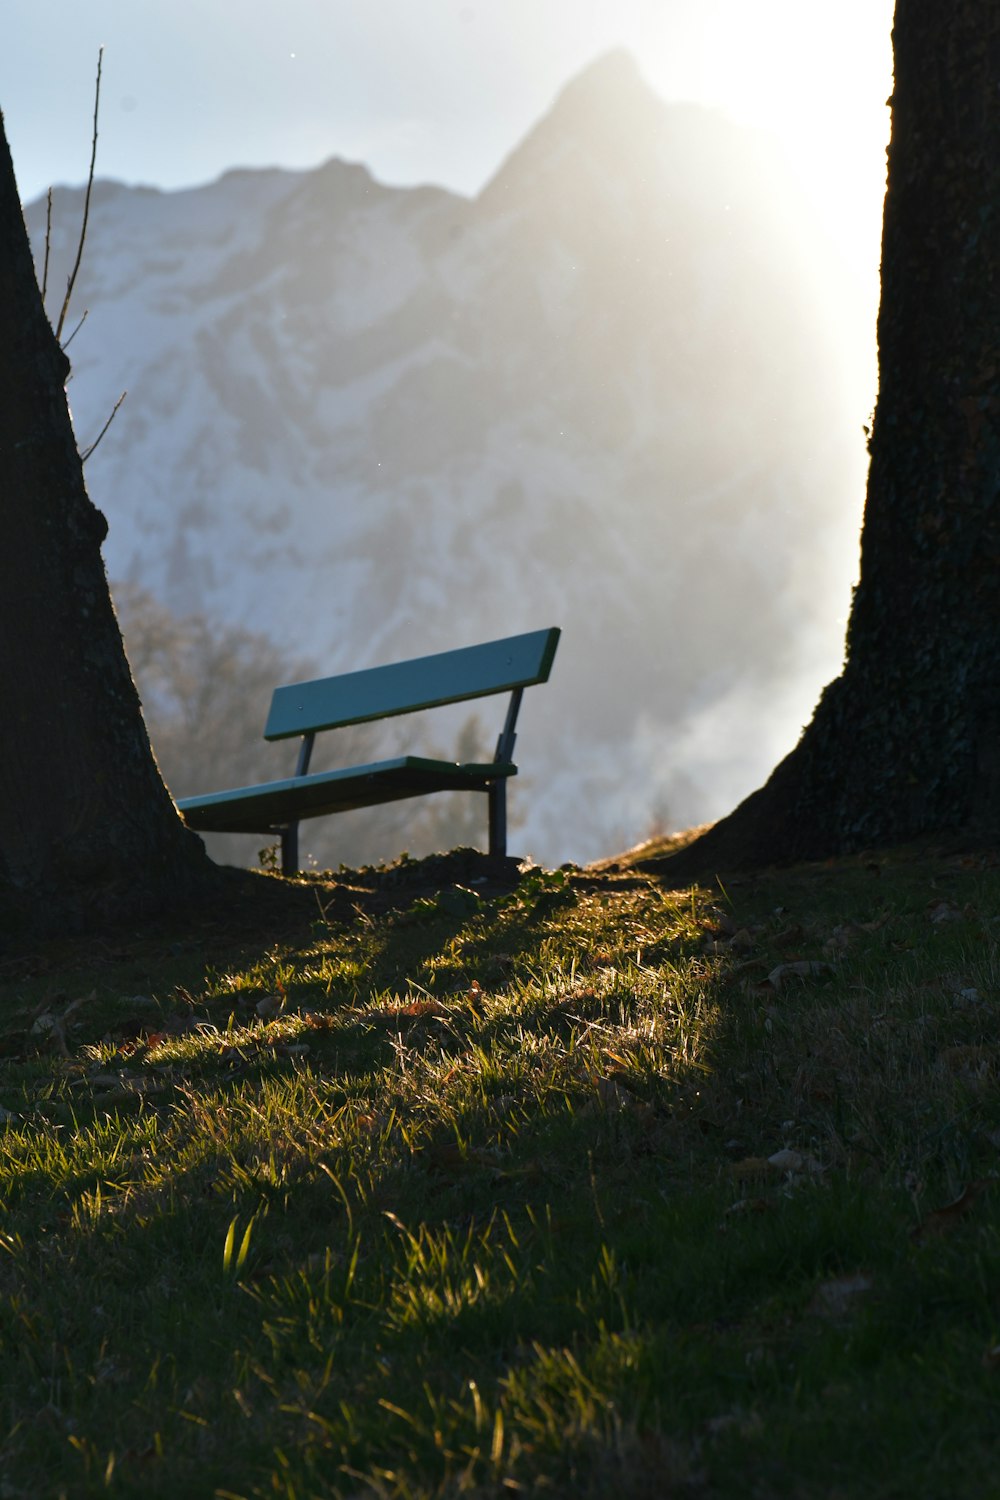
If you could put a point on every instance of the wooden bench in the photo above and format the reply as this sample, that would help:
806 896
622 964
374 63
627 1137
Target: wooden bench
307 708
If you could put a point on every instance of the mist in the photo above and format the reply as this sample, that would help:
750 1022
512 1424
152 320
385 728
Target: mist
621 390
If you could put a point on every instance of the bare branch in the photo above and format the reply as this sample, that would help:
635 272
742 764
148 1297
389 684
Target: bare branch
88 451
76 330
48 245
86 206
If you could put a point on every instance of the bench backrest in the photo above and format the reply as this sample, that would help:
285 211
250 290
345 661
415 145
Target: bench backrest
404 687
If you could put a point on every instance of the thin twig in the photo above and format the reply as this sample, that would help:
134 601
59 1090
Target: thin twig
48 245
88 451
76 330
86 202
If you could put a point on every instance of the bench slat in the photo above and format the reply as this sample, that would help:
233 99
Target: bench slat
405 687
260 809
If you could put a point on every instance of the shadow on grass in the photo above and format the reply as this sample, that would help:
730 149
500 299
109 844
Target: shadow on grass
514 1220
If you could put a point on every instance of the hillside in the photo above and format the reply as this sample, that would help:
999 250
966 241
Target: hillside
423 1184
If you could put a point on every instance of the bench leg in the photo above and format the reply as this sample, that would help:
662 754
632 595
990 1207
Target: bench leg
498 818
290 849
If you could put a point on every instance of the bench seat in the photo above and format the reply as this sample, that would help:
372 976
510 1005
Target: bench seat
304 709
258 809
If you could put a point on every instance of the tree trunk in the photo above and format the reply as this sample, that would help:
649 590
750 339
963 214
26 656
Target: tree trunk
88 831
906 743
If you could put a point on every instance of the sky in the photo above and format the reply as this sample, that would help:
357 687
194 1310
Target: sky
433 90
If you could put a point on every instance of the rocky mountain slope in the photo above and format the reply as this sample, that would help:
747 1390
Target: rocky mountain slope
613 392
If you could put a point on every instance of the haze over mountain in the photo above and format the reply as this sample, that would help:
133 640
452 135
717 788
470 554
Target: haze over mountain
614 392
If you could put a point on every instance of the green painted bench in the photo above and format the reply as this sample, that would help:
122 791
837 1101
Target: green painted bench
307 708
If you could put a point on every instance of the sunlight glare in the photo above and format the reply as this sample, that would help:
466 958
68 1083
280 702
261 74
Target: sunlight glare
816 77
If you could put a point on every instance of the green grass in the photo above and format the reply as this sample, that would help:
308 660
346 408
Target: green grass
472 1193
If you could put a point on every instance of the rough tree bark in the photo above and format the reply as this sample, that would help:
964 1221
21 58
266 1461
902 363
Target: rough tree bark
87 829
906 743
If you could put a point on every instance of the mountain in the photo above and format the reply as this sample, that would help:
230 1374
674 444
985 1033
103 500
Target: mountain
611 392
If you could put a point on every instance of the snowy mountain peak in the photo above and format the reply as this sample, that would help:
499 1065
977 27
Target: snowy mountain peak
607 115
611 77
373 423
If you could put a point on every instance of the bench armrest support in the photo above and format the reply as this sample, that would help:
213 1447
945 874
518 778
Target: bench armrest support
290 833
305 754
498 788
507 739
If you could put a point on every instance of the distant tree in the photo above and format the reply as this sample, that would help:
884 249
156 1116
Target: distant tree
87 828
906 742
205 687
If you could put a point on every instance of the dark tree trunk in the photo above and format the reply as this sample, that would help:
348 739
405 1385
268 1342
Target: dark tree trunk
906 743
87 829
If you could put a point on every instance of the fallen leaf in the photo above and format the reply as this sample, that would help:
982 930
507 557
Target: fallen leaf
715 1426
74 1005
841 938
51 1028
750 1169
943 1220
422 1008
746 1424
816 1086
794 1162
319 1020
838 1298
408 1010
748 966
968 1061
611 1094
943 911
101 1081
741 941
803 968
451 1159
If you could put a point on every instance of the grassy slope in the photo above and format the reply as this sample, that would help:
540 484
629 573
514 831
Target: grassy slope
476 1195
